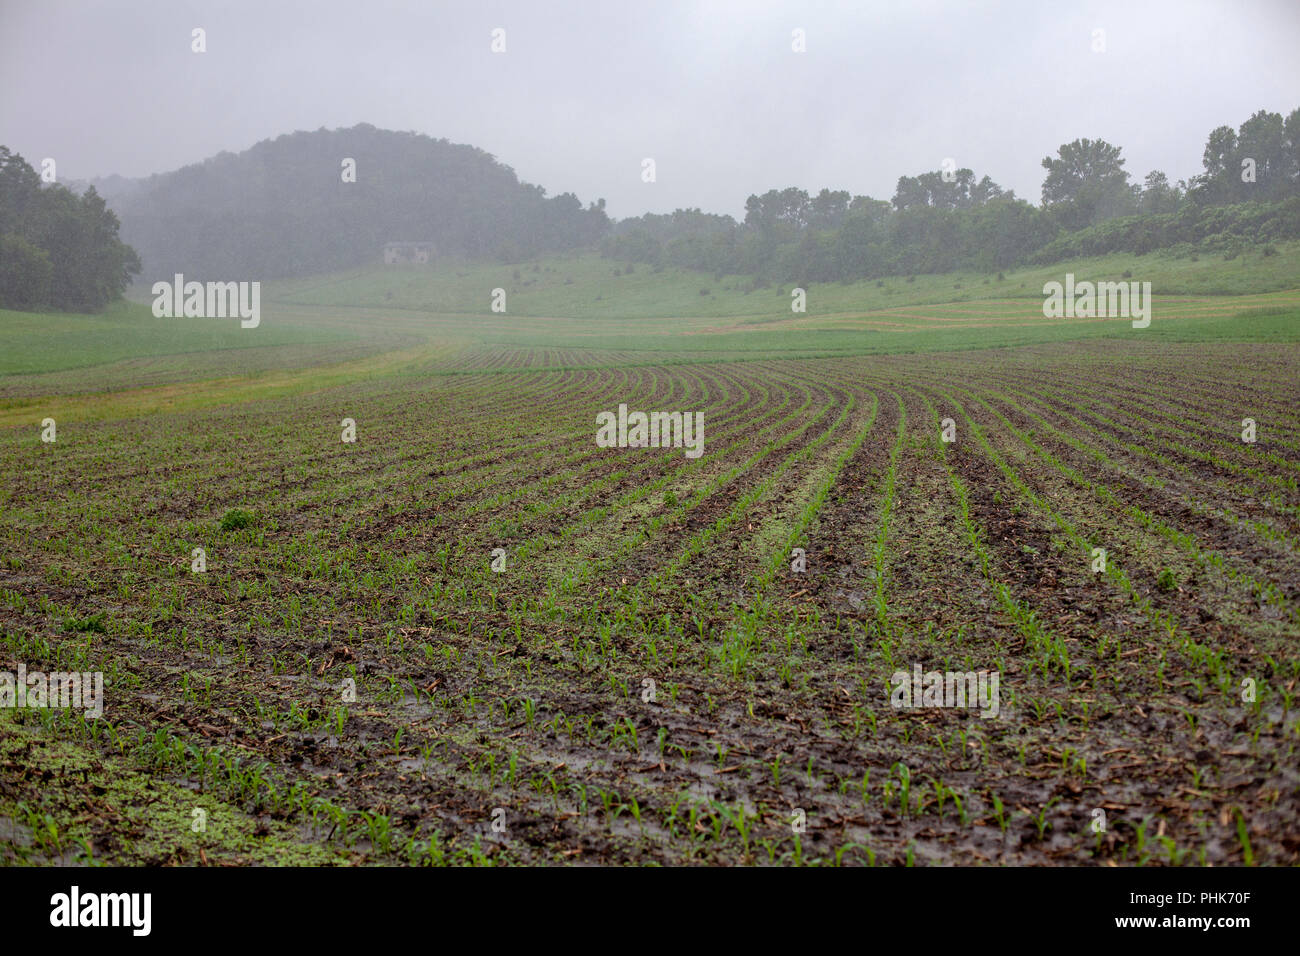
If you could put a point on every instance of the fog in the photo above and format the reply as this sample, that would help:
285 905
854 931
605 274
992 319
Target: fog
713 92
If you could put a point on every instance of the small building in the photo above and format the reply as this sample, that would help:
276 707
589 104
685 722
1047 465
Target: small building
417 252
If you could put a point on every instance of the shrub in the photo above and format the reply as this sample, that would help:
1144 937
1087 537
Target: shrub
237 518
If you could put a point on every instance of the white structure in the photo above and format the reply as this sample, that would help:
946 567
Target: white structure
418 252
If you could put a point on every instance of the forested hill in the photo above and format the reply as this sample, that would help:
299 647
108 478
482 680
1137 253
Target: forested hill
285 207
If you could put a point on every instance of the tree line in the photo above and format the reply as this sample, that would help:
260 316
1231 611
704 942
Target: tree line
948 219
316 202
58 249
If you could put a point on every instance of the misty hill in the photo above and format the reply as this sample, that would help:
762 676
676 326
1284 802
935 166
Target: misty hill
112 189
283 207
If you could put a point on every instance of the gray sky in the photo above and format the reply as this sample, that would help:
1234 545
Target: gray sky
711 90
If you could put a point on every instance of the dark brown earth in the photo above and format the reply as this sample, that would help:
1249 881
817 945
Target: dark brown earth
522 698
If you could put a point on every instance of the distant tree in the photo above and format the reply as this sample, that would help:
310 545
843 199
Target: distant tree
986 190
1263 138
875 210
1219 181
912 192
1086 183
828 208
786 209
1158 196
20 187
1259 161
1292 169
932 191
57 248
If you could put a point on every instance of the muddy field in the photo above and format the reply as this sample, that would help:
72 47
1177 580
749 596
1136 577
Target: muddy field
649 676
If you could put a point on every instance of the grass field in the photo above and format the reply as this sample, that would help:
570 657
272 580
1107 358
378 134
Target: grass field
649 680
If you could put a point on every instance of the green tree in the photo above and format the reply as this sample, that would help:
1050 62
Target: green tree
1268 144
25 273
1086 183
60 249
1158 196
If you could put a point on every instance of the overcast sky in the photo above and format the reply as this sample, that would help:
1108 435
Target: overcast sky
712 90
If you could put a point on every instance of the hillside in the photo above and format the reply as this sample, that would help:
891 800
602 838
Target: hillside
285 207
595 287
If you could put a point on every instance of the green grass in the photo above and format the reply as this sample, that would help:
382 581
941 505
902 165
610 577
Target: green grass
578 302
330 330
585 287
47 341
